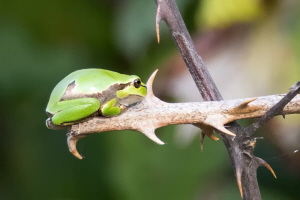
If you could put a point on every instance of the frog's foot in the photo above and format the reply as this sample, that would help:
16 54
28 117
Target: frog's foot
111 109
122 108
52 126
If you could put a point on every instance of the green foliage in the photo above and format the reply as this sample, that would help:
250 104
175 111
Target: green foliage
223 13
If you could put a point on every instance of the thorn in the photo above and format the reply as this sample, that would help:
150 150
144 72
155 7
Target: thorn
270 169
239 181
202 135
208 131
72 146
242 105
245 103
224 130
295 87
157 20
211 135
216 123
151 135
265 164
282 114
150 83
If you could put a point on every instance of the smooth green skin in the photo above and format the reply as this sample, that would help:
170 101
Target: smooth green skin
84 92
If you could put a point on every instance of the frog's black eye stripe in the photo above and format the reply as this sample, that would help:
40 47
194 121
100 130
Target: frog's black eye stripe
137 83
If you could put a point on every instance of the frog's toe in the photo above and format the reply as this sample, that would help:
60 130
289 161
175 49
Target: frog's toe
51 125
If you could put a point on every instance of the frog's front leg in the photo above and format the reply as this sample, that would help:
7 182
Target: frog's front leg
74 110
111 108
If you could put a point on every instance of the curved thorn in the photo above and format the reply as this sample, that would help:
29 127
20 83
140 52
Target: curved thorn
270 169
72 146
150 83
151 135
265 164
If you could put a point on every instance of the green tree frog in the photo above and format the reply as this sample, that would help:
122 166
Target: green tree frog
90 92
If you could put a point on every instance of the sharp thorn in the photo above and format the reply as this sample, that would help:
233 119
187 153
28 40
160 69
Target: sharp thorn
224 130
239 181
157 32
158 18
208 131
212 136
151 135
72 146
265 164
270 169
295 87
150 83
245 103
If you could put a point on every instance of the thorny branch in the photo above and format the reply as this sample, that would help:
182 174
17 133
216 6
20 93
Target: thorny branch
242 144
153 113
275 110
168 11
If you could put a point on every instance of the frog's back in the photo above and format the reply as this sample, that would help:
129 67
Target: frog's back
87 82
99 78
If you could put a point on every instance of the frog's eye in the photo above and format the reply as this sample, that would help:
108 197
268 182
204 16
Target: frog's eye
137 83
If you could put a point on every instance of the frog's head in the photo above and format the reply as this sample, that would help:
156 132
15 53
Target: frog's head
134 91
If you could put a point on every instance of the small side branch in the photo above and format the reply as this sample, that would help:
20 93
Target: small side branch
275 110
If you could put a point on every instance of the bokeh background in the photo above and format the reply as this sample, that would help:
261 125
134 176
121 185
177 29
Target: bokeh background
252 48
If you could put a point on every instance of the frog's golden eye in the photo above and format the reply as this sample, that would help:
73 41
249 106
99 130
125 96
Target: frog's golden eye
137 83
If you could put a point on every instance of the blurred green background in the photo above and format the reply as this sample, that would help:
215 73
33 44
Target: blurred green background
253 44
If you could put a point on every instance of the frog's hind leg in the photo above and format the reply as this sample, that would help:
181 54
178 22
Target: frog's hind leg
74 110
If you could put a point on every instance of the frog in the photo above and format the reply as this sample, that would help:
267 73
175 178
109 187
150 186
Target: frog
93 92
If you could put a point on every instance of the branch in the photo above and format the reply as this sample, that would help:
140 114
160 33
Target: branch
240 148
167 10
275 110
152 113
